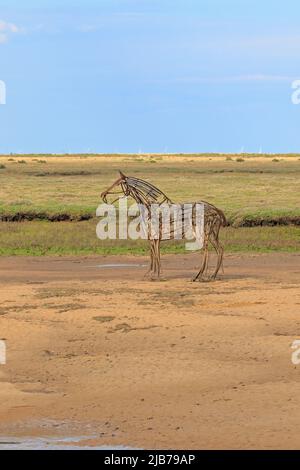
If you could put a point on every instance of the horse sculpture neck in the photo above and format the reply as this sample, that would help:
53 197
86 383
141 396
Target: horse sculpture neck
143 192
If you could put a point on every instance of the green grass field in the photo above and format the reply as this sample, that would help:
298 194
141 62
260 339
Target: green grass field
79 238
252 190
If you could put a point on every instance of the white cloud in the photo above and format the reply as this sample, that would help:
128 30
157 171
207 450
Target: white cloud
6 29
88 28
233 79
112 19
3 38
256 78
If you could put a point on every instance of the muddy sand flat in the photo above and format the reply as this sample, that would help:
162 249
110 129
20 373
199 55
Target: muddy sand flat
97 353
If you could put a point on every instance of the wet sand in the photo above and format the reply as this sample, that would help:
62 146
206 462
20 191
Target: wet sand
100 354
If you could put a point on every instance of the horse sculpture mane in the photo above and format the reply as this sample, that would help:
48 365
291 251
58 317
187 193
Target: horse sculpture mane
143 191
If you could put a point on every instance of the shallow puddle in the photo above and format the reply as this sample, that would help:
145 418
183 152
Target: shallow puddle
50 443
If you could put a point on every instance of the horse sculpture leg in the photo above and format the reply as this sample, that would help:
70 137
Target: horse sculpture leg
214 240
203 268
154 269
156 244
211 234
150 270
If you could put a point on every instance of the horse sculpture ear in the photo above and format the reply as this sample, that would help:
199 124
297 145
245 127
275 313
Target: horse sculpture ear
122 174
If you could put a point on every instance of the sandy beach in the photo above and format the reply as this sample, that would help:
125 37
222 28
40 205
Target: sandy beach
98 353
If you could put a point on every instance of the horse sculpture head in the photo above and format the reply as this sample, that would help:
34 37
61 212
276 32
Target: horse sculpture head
116 188
141 191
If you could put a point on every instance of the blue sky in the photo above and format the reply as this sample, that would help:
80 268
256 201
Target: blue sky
149 75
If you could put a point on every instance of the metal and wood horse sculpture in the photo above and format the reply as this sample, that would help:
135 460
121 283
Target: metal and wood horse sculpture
146 194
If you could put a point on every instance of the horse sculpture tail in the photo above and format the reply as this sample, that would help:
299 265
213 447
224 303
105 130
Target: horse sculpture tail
223 218
224 223
219 212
